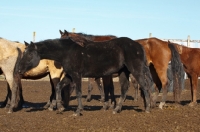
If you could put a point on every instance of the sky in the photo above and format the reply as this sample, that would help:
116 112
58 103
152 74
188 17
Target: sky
169 19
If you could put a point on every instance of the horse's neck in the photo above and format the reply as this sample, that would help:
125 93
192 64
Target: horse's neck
49 53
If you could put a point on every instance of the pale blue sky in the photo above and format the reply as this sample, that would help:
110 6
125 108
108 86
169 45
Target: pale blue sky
169 19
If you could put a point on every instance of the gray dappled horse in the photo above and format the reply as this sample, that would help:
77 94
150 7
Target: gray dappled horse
45 67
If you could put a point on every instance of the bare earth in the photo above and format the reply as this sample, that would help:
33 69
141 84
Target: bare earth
132 117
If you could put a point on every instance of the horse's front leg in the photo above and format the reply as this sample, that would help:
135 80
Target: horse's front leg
194 84
65 81
77 80
124 82
52 102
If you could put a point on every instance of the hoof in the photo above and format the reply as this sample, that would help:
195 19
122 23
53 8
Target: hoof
117 110
61 109
50 109
105 106
114 112
147 111
10 111
101 100
161 105
46 106
88 99
191 104
77 114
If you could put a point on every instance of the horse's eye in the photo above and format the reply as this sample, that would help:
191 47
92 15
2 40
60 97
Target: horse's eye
30 55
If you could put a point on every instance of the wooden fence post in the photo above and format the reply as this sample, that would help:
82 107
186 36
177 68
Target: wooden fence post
188 41
150 35
34 33
73 30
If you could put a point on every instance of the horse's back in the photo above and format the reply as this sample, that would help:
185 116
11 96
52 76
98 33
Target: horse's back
9 48
156 50
189 57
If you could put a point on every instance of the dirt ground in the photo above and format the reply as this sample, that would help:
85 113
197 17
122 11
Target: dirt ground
132 117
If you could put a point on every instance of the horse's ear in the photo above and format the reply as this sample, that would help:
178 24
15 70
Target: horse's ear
65 32
61 33
26 43
33 45
169 42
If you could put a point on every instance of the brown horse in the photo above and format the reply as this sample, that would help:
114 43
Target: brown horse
159 53
190 59
81 42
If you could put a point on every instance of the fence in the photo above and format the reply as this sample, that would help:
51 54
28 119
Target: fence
186 42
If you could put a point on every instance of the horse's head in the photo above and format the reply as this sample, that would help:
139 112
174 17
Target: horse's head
79 39
64 34
30 58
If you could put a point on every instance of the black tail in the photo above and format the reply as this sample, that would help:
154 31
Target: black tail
177 71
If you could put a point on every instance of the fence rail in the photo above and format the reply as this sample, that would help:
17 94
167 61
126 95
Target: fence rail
188 40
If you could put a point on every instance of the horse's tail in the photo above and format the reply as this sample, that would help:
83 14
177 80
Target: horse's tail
17 78
17 61
177 71
147 72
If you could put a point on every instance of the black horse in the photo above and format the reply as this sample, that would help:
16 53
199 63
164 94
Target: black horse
97 59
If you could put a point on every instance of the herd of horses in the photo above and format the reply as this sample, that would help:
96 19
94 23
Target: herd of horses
151 64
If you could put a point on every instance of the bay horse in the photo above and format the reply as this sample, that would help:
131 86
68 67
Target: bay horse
190 59
159 53
94 38
120 55
44 68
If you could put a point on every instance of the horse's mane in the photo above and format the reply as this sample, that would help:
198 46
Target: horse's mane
55 41
90 37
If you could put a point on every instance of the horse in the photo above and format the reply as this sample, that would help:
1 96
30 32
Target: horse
97 38
45 67
120 55
9 56
159 53
108 85
190 59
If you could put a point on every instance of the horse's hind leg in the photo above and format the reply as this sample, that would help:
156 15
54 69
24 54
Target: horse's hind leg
124 82
135 85
108 88
90 87
162 74
6 102
99 85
